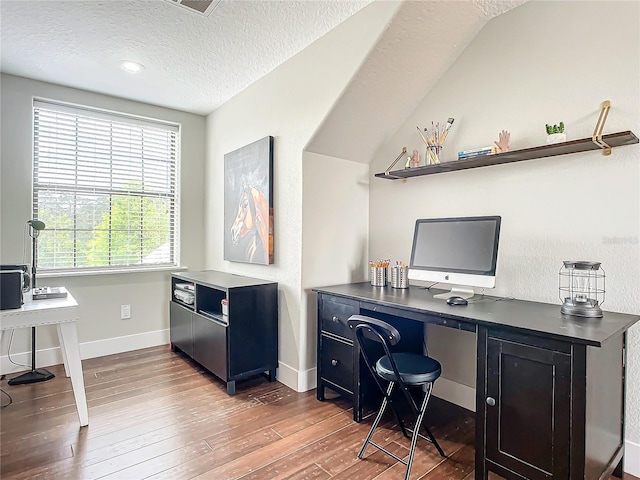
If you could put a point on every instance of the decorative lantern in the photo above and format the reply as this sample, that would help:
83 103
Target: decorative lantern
582 288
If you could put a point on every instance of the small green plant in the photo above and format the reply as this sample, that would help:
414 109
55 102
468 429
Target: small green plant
555 128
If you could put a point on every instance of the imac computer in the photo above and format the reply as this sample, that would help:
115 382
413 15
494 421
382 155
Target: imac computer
462 252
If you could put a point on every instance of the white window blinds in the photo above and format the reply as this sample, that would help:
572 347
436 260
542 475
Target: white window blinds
105 185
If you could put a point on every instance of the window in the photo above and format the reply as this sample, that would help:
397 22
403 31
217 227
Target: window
105 185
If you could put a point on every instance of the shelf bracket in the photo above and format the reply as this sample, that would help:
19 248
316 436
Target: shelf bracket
597 132
386 172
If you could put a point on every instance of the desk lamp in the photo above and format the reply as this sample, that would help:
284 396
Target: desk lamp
581 288
35 375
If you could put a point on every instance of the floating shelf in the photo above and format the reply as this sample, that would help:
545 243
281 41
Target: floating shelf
564 148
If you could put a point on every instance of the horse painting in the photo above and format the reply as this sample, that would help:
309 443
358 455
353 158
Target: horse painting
251 225
248 203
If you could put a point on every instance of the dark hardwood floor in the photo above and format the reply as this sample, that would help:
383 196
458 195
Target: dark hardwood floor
156 414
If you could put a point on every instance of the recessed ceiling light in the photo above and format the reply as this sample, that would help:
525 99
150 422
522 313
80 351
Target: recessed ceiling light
132 67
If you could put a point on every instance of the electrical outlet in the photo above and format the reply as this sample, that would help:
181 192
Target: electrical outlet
125 312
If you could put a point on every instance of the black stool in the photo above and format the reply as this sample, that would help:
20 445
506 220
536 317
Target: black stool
403 369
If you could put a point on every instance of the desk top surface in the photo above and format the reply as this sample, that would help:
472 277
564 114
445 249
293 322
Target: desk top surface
534 317
40 312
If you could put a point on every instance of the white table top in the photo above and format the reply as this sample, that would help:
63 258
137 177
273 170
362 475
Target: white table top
34 313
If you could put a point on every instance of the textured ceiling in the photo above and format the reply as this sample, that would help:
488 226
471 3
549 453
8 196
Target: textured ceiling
192 62
195 63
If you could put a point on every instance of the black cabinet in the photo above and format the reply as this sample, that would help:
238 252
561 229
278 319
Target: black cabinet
227 323
547 408
528 397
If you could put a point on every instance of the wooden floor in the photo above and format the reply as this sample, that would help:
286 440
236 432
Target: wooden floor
156 414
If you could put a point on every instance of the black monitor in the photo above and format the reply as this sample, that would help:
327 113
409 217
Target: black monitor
462 252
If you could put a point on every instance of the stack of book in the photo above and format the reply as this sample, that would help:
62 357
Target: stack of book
477 152
44 293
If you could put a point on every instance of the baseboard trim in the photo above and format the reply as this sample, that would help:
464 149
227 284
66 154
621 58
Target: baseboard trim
308 379
110 346
288 375
295 379
99 348
455 392
632 458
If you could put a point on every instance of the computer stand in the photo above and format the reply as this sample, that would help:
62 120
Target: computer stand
457 291
35 375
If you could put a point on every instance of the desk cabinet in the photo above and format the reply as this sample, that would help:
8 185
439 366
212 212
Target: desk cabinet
232 345
542 416
340 366
335 346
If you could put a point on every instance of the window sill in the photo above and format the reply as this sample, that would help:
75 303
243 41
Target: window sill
86 273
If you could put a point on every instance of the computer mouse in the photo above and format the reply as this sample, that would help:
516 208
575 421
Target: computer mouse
457 301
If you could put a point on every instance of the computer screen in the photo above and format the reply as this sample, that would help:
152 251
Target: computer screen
459 251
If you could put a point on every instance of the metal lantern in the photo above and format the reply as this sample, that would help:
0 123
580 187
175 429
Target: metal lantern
581 288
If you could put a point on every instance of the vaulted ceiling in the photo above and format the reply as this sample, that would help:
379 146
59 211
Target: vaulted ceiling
195 62
419 45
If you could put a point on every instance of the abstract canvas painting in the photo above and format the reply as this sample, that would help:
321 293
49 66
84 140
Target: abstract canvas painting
248 203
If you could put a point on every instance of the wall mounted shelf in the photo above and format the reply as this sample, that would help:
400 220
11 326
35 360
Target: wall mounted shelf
564 148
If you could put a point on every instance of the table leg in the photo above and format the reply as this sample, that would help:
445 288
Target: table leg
65 362
69 339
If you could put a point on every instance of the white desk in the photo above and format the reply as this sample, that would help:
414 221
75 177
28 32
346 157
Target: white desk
62 312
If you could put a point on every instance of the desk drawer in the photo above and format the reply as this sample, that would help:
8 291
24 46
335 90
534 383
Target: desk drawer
334 315
336 363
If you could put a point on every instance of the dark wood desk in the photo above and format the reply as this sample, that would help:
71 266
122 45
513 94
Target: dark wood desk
549 387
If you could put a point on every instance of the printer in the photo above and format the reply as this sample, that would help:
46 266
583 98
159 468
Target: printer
14 280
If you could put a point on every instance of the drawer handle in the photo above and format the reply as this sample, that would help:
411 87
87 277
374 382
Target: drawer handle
335 319
491 401
334 362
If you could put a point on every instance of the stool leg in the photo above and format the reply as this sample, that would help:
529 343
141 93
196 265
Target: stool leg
433 440
416 429
378 418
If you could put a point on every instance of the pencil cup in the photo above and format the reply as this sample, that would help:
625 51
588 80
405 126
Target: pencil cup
378 276
399 277
433 155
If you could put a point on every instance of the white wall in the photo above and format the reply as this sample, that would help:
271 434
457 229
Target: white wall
289 104
541 63
99 296
335 236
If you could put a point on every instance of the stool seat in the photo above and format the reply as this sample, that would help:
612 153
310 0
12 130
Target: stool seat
402 369
414 369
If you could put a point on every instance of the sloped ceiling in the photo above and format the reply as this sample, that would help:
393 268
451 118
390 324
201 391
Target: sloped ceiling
424 38
192 62
195 63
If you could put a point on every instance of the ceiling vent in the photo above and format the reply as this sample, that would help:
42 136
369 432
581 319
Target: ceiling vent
201 7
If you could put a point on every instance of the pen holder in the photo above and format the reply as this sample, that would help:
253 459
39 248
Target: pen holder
433 155
399 277
378 276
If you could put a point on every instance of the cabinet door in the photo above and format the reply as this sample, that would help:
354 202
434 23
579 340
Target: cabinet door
528 409
210 345
180 328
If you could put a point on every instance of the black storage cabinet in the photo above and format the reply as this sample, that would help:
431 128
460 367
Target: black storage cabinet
232 346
